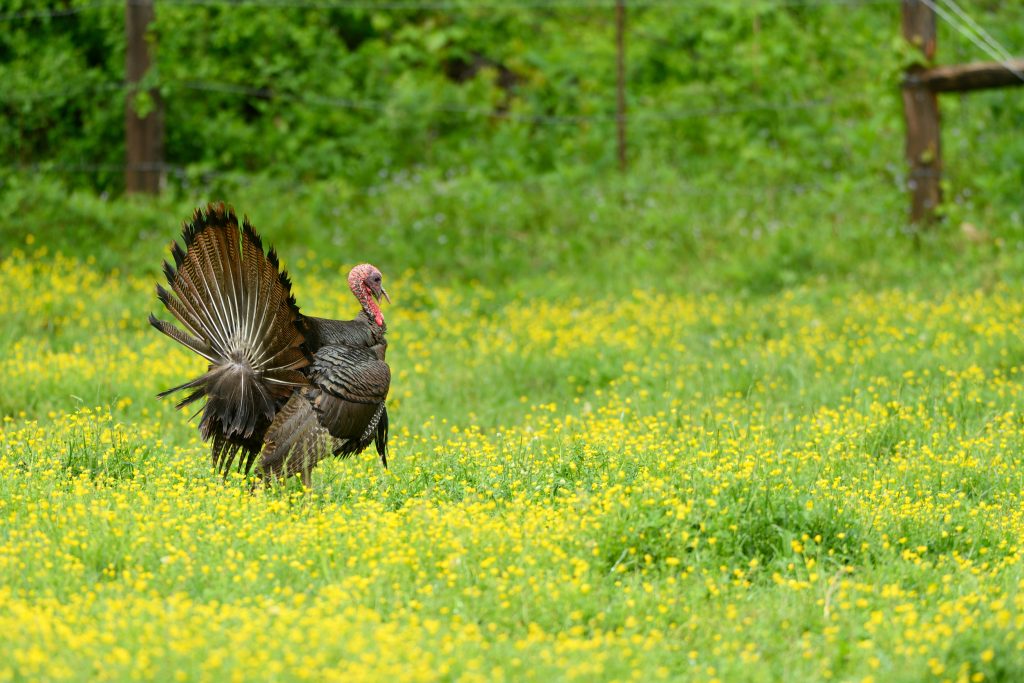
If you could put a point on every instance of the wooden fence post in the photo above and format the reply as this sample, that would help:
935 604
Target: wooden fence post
144 136
620 89
921 109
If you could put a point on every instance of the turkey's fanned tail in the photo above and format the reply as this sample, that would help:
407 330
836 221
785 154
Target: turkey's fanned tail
238 312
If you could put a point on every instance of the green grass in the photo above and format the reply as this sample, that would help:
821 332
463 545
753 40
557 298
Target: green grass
723 417
626 445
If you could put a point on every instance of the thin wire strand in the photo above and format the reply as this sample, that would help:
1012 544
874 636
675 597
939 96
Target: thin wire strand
414 5
961 29
999 49
993 43
57 13
40 95
408 5
417 5
552 119
207 177
469 111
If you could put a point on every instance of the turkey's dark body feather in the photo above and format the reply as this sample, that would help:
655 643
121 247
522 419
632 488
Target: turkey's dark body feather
360 332
282 388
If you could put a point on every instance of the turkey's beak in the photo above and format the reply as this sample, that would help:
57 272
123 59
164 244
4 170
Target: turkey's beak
377 290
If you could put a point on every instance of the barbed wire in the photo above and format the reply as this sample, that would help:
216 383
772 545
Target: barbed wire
81 89
57 13
970 29
185 174
553 119
420 5
43 167
468 111
416 5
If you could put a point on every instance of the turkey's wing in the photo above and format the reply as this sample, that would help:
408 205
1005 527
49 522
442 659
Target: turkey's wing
349 388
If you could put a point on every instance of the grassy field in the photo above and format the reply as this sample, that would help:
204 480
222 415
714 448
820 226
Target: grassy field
749 453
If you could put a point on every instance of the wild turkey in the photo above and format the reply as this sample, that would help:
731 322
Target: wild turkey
283 386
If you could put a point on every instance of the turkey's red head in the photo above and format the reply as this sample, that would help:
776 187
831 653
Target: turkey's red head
367 283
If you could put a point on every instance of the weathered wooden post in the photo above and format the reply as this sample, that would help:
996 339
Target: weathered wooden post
144 135
620 71
921 109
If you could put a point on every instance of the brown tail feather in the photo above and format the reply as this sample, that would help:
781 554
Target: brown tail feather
197 345
224 453
237 307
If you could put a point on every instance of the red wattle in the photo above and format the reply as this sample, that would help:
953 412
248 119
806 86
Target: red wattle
371 306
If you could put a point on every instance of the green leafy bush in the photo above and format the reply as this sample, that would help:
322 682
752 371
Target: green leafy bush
734 87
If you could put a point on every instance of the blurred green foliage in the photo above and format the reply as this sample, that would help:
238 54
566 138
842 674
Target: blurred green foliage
491 126
506 89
